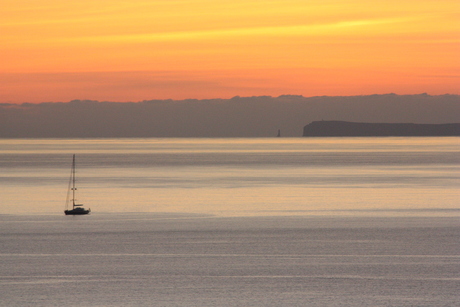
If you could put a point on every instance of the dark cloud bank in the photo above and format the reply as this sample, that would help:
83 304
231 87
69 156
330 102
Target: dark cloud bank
236 117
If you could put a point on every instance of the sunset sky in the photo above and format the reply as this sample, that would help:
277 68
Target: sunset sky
133 50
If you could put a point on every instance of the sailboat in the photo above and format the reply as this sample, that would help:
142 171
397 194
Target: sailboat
77 209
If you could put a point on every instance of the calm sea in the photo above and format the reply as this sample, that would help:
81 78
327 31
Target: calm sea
231 222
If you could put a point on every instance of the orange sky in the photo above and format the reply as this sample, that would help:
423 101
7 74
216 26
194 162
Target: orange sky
146 49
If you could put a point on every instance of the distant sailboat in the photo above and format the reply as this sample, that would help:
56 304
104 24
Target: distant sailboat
279 133
77 209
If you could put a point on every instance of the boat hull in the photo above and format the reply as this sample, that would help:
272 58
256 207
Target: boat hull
77 212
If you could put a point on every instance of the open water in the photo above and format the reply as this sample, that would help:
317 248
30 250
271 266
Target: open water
231 222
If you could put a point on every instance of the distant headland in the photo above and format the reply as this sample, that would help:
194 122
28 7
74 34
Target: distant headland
343 128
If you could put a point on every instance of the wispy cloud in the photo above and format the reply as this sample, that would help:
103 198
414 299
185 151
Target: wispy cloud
351 27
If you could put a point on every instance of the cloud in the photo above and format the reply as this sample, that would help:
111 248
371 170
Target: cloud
350 27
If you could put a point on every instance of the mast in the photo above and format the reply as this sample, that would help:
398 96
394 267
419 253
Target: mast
73 182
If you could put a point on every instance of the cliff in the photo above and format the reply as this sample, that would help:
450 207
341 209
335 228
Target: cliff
342 128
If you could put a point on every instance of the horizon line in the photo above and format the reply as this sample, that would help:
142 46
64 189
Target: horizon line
219 98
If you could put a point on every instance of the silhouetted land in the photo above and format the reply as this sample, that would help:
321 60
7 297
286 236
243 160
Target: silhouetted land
236 117
343 128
